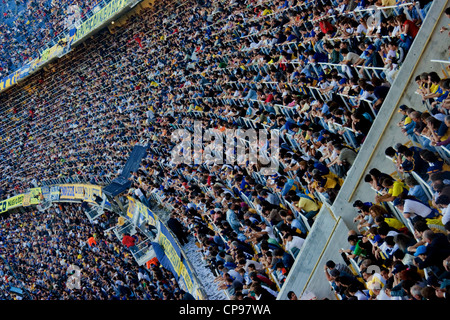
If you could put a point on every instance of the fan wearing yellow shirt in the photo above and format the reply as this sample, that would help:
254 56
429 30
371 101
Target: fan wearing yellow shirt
435 89
391 222
403 109
266 12
309 206
394 189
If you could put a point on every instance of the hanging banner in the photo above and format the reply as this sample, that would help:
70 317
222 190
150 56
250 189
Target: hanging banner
35 195
25 199
67 192
83 192
11 203
137 207
91 191
173 253
54 193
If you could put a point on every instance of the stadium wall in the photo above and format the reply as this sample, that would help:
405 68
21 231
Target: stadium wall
329 233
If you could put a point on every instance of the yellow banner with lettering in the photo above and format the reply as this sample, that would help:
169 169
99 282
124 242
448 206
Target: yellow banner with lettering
82 192
175 260
26 199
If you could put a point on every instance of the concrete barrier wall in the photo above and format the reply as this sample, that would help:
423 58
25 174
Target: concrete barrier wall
320 246
329 233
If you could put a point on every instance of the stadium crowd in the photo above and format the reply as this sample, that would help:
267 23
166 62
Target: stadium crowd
59 255
27 26
316 73
404 229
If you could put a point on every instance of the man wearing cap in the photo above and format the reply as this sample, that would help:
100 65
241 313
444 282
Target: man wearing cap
359 204
433 253
421 252
373 57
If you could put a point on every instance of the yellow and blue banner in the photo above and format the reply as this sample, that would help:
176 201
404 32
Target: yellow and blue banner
177 262
26 199
10 80
146 214
64 192
11 203
83 192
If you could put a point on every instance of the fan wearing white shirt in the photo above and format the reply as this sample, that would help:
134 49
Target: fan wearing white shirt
293 243
442 202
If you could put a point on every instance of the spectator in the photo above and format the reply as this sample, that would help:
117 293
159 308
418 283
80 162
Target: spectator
436 250
416 190
293 243
414 209
342 268
177 228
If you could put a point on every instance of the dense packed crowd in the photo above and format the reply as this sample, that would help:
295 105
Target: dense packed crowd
59 255
27 26
316 74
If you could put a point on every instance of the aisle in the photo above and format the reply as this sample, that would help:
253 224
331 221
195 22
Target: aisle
205 276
